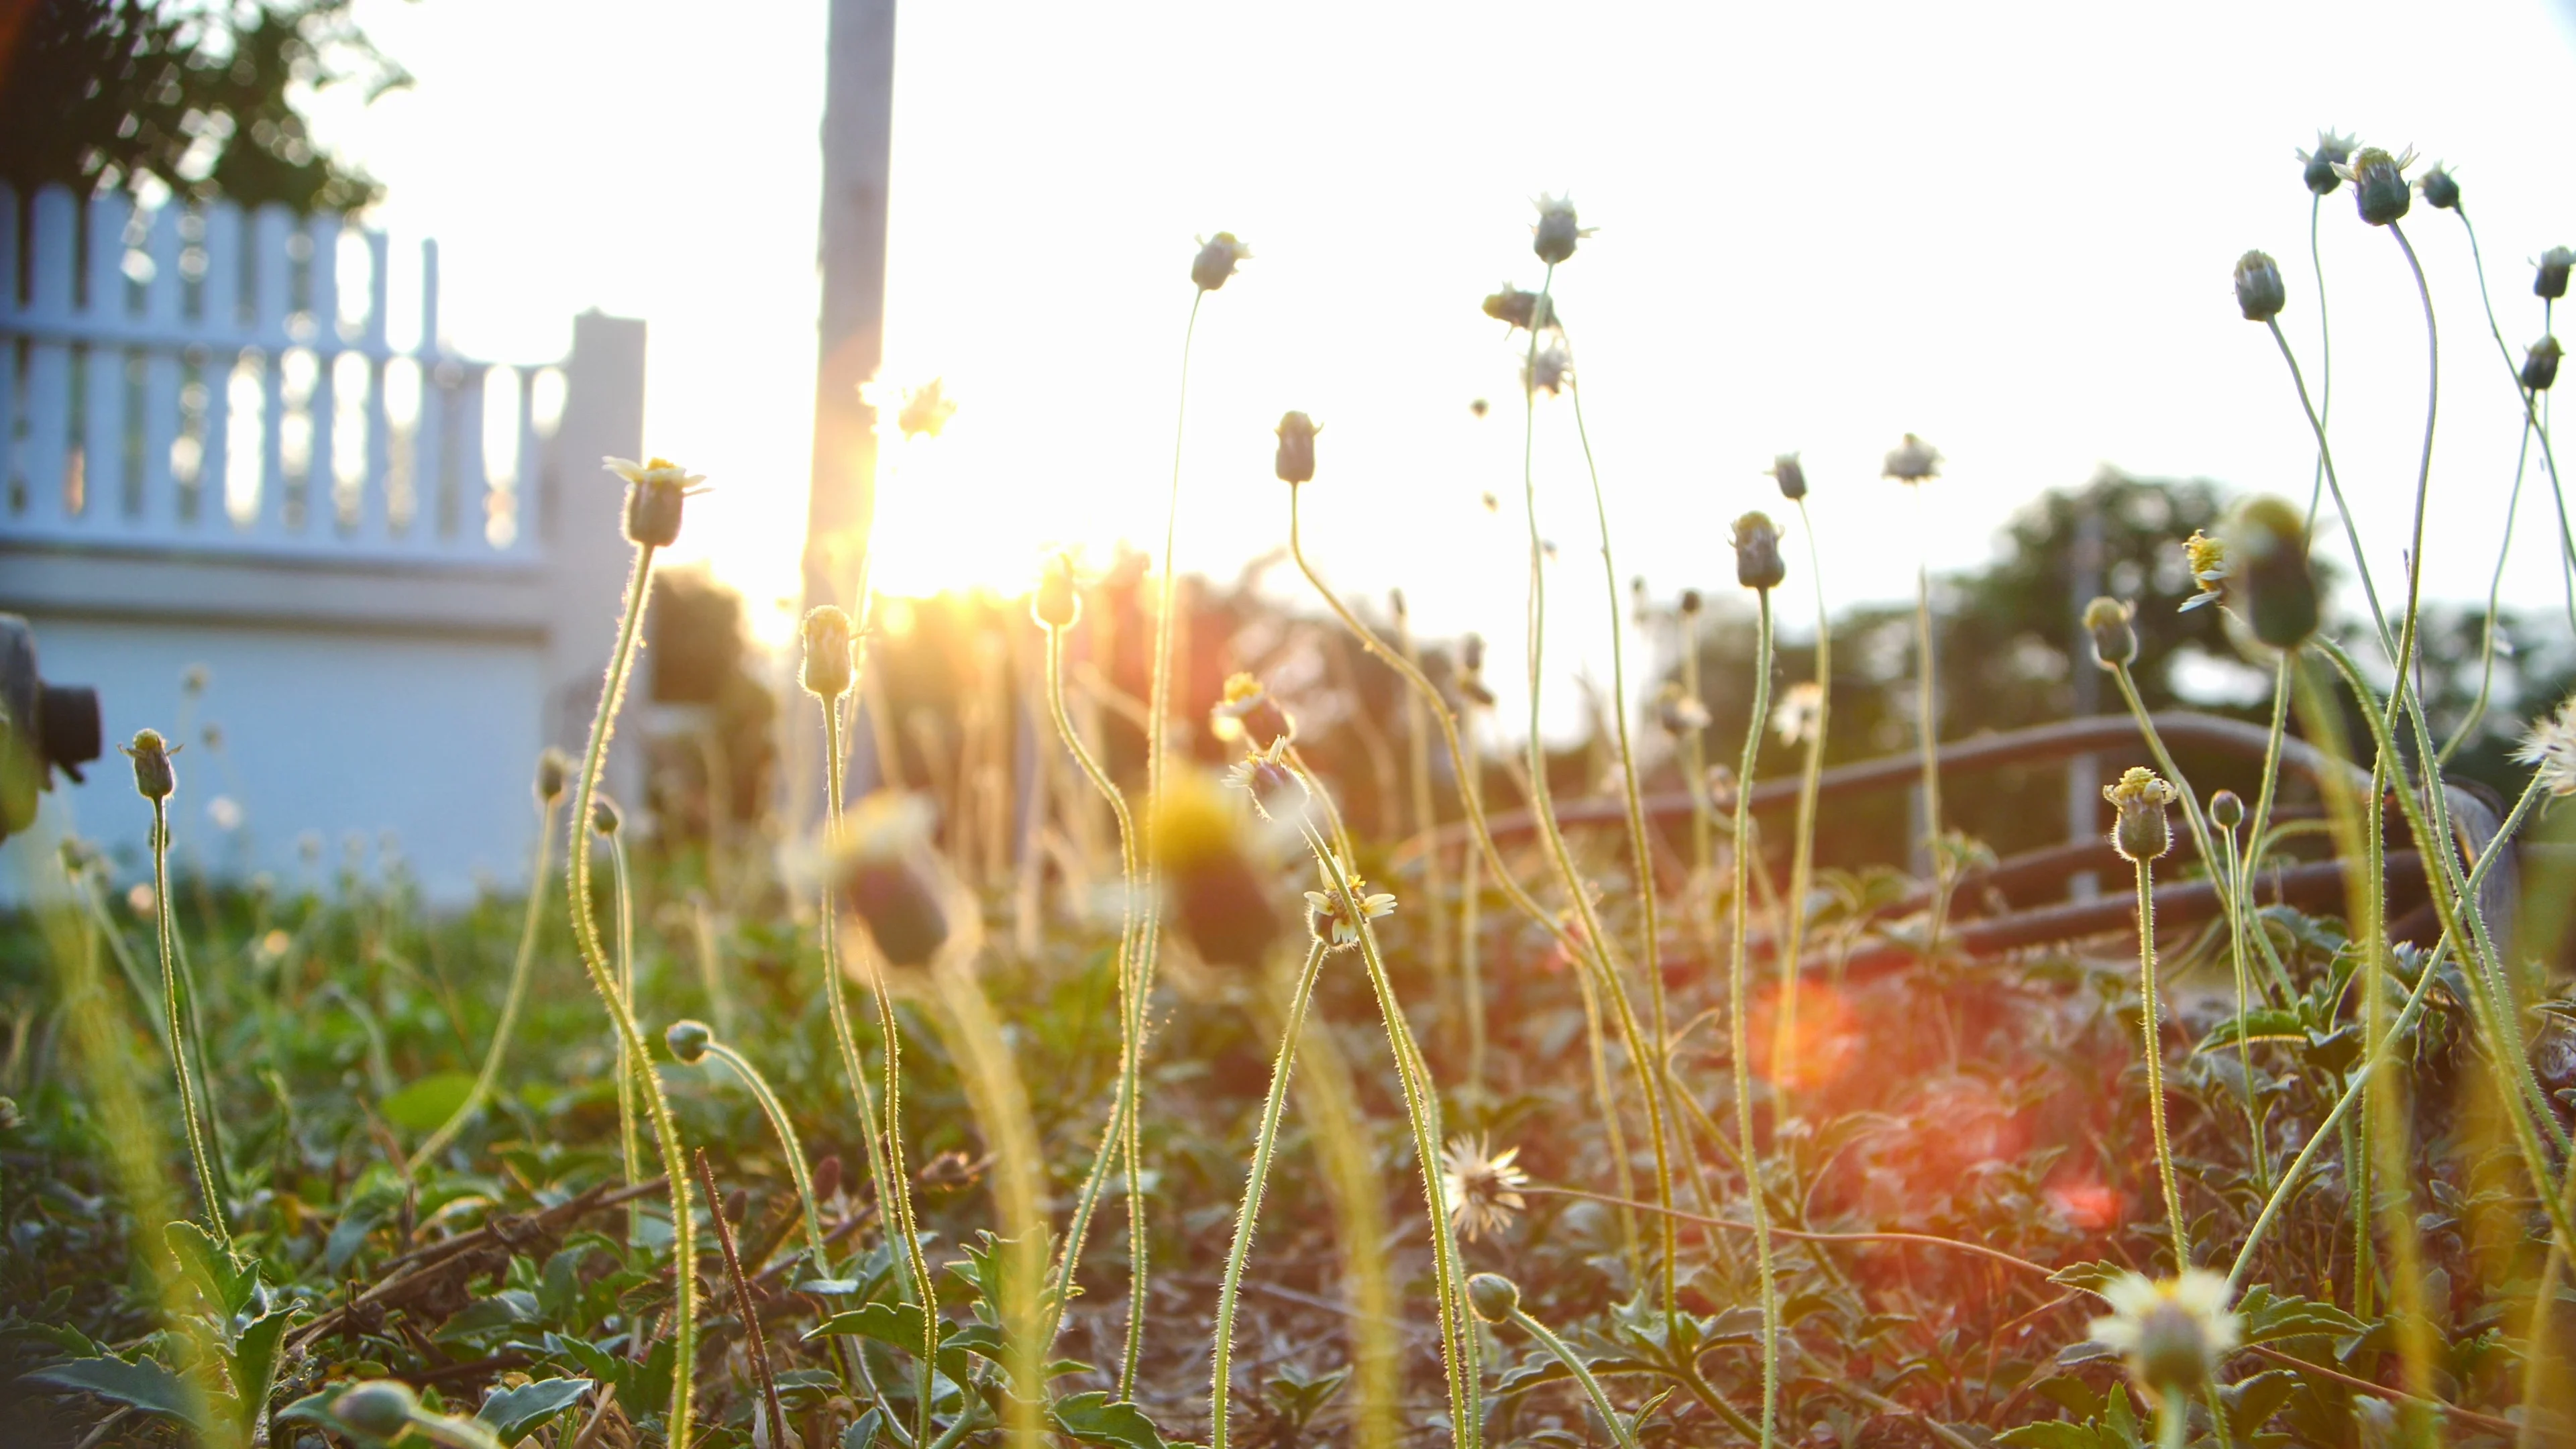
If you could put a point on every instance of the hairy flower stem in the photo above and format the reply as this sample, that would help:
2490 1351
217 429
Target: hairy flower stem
885 1141
1422 1112
521 968
2234 898
1620 1433
1600 953
1471 916
594 958
784 1128
630 1065
164 936
2532 422
1264 1142
2191 813
1802 858
2325 460
2151 1028
2468 725
2325 369
1739 999
1116 1141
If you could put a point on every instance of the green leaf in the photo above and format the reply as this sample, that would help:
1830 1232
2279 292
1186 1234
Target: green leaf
506 1309
2091 1277
145 1385
425 1105
216 1272
2264 1317
2050 1434
254 1363
2071 1393
2256 1400
1093 1419
2264 1023
512 1414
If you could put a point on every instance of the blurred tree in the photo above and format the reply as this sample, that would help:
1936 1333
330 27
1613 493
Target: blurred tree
200 95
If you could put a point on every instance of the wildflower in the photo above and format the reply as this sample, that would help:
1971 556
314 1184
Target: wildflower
2267 574
1056 604
2227 810
1250 712
2143 832
1494 1297
1679 713
1296 461
688 1041
878 864
654 493
1913 461
1482 1186
2173 1331
2550 282
1218 256
1790 475
153 777
554 774
1334 927
2540 364
2550 749
1757 552
827 668
2441 188
2324 165
1471 671
1523 311
380 1408
142 899
2379 190
1554 236
2115 643
604 818
925 410
225 812
1689 603
1264 775
1800 708
1547 372
2259 293
1220 904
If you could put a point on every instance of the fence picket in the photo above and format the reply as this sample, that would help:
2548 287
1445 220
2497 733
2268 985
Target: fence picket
52 263
11 480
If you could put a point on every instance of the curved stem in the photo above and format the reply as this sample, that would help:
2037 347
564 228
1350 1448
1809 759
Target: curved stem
631 1065
164 936
2191 813
2325 362
666 1132
2532 420
2151 1028
1619 1431
1264 1142
2325 458
2477 714
521 968
2234 903
1739 998
784 1128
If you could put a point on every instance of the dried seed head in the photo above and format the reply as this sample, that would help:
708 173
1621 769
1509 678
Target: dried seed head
154 779
2540 364
1757 552
2320 168
1494 1297
828 665
1790 475
1057 604
1296 461
2173 1331
2268 579
1250 713
1523 311
1218 256
1554 236
2441 188
2142 832
554 775
2115 640
2259 292
1334 928
655 491
1912 461
2550 749
2227 810
604 818
381 1408
2550 281
1547 372
688 1041
2379 189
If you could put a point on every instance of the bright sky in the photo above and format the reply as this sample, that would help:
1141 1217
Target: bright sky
2009 230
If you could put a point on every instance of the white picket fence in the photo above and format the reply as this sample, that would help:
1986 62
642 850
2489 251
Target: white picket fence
196 376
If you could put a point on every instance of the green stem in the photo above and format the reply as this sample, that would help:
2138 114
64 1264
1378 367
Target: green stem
2325 457
2151 1028
1741 1043
2531 416
631 1065
2325 363
521 968
163 935
666 1132
2477 714
1263 1143
1619 1432
784 1128
2255 1150
2172 1419
1802 860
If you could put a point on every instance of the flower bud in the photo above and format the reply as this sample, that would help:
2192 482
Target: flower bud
604 818
554 774
1250 713
154 779
1690 603
1296 462
827 668
1556 233
1216 261
1757 552
2259 293
1218 902
1526 311
1494 1297
2441 188
1790 475
1277 792
2379 189
1057 604
2319 166
1912 461
882 880
2540 364
655 493
827 1177
2268 578
2227 810
2550 282
688 1041
382 1408
2142 832
2115 641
